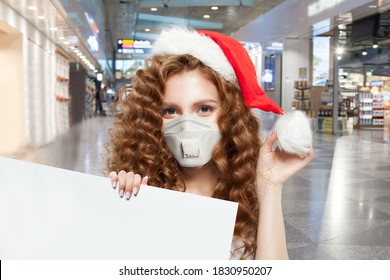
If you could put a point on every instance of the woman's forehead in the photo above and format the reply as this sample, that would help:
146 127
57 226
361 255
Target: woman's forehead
189 87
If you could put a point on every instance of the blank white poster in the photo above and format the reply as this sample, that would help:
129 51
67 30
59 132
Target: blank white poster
52 213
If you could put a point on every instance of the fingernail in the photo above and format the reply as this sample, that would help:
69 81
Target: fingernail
146 178
121 193
114 184
135 191
128 194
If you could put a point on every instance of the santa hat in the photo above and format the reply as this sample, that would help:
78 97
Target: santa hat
221 53
229 58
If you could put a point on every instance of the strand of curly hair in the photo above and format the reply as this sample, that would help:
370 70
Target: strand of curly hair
137 141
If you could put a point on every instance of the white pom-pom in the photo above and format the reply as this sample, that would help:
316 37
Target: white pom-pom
294 133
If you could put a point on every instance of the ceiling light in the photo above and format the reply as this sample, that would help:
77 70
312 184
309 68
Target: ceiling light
277 44
214 8
364 52
54 29
375 45
153 9
32 8
41 17
206 16
147 29
339 57
274 48
66 43
373 6
61 38
339 50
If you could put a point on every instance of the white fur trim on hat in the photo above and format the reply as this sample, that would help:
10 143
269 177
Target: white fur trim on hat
294 133
181 41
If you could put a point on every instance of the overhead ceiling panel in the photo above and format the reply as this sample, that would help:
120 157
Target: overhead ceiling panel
189 3
135 19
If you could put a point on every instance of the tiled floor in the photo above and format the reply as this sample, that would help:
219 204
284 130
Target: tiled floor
338 207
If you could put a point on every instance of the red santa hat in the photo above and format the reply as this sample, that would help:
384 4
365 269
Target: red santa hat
223 54
230 59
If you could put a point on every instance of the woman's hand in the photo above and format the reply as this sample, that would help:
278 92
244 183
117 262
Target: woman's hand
128 183
275 167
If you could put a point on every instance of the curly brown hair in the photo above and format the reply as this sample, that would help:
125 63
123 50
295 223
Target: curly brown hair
137 141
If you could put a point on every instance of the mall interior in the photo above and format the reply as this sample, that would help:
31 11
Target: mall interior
64 63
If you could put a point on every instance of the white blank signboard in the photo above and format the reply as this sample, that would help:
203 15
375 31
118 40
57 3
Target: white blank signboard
52 213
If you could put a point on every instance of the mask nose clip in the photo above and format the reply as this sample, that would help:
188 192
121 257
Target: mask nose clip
190 148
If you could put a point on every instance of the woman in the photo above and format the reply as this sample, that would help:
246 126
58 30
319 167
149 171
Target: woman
187 127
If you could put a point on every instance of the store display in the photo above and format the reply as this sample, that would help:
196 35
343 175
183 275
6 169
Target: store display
386 116
371 113
325 124
302 96
62 92
325 111
349 100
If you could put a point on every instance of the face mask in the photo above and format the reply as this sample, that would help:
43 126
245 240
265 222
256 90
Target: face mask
191 140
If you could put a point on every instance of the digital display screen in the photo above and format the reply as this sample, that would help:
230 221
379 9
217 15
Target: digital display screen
321 60
364 29
130 46
269 73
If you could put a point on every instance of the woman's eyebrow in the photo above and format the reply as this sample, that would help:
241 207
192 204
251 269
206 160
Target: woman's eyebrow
203 101
197 103
169 104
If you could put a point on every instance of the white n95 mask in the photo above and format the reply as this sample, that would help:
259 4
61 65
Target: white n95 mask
191 140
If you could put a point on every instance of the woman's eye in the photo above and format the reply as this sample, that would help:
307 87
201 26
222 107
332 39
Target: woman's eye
168 112
205 109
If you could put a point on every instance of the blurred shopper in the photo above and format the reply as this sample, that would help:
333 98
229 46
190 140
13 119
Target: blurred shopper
99 107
